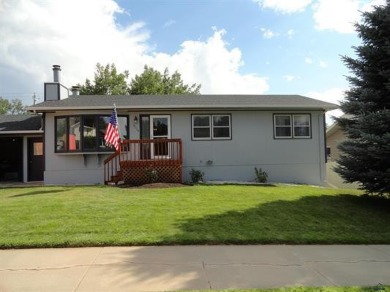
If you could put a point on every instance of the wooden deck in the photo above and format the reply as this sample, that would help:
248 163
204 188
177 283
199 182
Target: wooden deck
145 161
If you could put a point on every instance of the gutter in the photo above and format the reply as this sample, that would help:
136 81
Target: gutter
21 132
181 107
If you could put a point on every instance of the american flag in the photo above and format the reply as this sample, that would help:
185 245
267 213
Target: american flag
112 131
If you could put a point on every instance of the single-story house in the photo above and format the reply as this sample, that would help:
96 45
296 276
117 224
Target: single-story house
224 136
334 136
21 143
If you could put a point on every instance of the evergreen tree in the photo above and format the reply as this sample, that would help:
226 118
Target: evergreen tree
366 153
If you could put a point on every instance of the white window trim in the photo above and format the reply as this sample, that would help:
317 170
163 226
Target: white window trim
275 127
292 126
305 126
152 136
201 127
211 127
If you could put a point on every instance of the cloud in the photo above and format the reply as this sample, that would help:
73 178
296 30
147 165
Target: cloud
308 60
267 33
169 23
339 15
323 64
290 78
284 6
213 65
290 33
318 62
333 95
35 35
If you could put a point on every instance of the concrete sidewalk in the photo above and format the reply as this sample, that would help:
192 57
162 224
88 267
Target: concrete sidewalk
192 267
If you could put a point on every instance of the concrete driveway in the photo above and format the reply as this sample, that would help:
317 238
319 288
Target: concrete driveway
193 267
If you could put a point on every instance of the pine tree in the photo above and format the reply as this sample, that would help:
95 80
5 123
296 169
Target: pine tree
366 153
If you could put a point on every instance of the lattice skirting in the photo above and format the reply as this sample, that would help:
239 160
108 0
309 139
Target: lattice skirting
140 174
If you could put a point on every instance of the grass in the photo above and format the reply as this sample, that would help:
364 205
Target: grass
100 215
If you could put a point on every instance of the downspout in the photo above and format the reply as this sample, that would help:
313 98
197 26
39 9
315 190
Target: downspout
44 145
25 159
322 148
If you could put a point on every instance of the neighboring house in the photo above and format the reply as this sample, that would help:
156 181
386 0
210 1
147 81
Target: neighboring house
225 136
21 143
334 136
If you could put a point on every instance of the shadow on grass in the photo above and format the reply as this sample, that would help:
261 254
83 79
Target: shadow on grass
238 184
32 193
342 219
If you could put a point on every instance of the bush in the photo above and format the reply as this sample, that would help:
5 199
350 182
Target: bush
152 175
196 176
261 176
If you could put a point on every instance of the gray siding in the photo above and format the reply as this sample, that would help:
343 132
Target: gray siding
252 145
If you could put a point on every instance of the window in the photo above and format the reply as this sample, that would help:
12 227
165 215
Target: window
61 141
282 126
89 133
201 127
301 126
221 127
85 133
74 141
288 126
38 148
211 127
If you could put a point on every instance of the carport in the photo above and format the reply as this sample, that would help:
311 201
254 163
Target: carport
21 148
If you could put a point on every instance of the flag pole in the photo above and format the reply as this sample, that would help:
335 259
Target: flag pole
117 125
112 135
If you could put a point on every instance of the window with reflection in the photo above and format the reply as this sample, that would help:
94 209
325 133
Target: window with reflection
211 127
85 133
289 126
61 130
74 137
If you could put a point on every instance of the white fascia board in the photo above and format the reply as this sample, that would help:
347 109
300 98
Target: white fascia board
183 107
20 132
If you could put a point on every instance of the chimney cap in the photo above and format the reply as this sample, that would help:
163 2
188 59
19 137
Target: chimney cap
56 67
75 90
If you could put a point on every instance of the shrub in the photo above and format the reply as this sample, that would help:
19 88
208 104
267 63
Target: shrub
261 176
152 174
196 176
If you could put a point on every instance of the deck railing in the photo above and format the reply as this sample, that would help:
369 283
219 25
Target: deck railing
111 167
136 158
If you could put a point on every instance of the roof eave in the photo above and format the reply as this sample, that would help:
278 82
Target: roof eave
185 107
21 132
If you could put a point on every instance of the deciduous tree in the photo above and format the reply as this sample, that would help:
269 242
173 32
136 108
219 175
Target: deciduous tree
153 82
13 107
107 81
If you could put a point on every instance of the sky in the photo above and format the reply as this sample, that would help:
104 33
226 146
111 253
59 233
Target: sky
227 46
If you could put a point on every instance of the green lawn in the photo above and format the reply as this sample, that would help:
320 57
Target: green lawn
100 215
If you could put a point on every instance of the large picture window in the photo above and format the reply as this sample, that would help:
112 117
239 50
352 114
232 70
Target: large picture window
288 126
85 133
211 127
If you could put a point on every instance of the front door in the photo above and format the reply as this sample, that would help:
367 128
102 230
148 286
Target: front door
35 159
160 128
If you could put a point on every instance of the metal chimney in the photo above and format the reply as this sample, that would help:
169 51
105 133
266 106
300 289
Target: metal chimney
56 73
75 90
